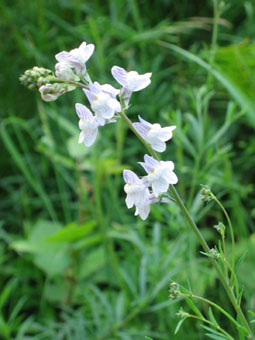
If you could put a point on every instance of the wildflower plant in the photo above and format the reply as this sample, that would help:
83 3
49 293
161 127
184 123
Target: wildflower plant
106 104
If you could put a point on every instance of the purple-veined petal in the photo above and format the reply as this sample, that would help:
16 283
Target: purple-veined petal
142 130
62 56
149 163
144 122
89 95
119 74
130 177
83 112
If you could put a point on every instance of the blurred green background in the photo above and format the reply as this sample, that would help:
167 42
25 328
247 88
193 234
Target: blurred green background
75 263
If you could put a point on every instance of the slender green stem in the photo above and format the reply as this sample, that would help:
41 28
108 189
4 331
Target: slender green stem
231 232
197 232
234 280
211 324
213 305
216 18
225 254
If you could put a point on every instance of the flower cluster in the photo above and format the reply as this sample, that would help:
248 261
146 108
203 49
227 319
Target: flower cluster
106 104
159 175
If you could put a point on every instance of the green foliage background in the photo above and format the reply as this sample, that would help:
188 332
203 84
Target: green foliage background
75 263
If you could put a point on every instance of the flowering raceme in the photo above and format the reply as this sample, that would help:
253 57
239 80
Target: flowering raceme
71 72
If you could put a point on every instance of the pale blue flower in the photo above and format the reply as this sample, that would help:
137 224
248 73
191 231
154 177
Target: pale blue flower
154 134
77 57
87 123
103 101
160 174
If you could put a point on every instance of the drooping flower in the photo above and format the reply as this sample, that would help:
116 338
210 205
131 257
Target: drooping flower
160 174
77 57
154 134
63 71
87 123
103 101
132 81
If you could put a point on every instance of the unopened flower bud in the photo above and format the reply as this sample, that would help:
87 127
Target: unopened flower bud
35 77
214 253
174 291
182 314
206 194
220 227
64 72
51 92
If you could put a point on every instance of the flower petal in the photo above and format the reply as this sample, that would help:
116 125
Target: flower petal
120 75
166 133
136 82
83 112
130 177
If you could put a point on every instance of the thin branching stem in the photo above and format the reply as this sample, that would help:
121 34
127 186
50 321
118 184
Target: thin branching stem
231 232
200 237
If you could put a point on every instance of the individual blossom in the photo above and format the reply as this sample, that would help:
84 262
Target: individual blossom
50 92
154 134
137 192
87 123
131 82
160 174
103 101
63 71
77 57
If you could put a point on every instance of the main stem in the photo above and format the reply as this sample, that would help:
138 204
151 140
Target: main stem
197 232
